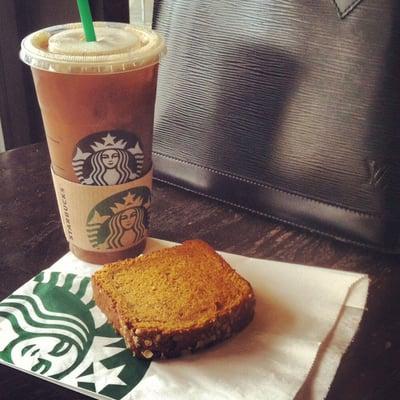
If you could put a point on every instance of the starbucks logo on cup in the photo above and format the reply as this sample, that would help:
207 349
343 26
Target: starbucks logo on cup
121 220
108 158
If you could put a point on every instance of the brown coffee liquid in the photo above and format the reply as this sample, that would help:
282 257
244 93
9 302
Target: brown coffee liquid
76 105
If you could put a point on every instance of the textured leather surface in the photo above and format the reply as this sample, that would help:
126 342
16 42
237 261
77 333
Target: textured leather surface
345 7
288 98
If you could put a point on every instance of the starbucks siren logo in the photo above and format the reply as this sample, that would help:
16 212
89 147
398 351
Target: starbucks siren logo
108 158
52 327
120 220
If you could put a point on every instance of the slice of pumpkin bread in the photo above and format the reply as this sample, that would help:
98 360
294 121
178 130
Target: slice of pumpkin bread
174 301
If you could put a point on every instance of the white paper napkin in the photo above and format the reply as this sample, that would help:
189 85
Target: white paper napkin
304 321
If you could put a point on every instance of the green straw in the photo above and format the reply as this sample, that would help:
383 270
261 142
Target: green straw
87 21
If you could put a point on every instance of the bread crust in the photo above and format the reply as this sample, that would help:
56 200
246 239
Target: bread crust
156 343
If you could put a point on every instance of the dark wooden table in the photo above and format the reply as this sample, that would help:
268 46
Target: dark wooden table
31 239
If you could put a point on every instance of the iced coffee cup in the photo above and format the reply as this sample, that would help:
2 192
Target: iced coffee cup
97 103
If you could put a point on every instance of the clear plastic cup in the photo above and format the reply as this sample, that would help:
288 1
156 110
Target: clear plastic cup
97 103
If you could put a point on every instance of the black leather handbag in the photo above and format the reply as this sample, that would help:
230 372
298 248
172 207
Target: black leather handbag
289 108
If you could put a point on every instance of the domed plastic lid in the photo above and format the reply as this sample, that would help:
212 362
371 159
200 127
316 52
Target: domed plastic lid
119 47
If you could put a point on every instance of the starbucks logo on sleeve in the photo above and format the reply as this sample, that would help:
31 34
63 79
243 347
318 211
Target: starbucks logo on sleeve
53 328
120 221
108 158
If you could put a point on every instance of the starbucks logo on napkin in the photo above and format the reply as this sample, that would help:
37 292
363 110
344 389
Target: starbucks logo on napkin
53 328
